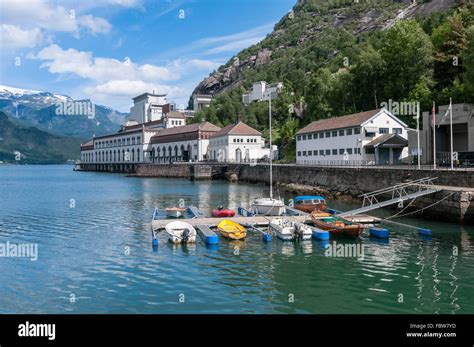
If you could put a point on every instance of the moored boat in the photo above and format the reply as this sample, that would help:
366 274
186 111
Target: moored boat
336 226
180 232
288 230
268 207
175 212
310 203
222 212
232 230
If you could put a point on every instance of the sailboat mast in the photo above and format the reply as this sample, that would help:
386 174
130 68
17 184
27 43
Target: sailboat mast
271 152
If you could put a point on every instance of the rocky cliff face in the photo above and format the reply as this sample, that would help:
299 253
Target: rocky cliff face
358 21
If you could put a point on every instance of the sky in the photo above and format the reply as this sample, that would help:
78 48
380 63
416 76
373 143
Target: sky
111 50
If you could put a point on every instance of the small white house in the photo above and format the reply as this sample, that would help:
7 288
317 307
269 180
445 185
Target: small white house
372 137
262 91
237 142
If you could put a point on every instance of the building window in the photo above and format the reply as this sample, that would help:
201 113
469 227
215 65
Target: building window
334 133
299 154
315 153
369 150
383 130
334 152
328 134
349 132
304 153
321 152
321 135
349 151
356 131
341 151
397 131
304 137
342 132
299 137
328 152
310 136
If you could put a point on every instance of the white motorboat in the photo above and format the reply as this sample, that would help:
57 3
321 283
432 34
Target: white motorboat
288 230
268 207
175 212
180 232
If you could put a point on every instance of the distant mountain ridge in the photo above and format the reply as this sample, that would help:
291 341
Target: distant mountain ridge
21 144
38 108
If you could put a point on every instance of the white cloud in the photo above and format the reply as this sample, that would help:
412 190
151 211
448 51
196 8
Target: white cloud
83 64
234 42
36 17
12 37
95 25
114 81
234 46
130 87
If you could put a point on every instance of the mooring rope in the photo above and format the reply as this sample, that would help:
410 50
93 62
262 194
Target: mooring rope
421 209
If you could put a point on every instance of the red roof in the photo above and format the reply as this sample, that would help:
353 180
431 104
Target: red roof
348 121
185 129
239 128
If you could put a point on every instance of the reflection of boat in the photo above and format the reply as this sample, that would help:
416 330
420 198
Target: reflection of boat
310 203
268 207
288 230
175 212
232 230
336 226
222 212
180 232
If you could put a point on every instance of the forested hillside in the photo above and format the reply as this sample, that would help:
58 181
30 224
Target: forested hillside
338 57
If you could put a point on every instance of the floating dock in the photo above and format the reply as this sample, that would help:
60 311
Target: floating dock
212 222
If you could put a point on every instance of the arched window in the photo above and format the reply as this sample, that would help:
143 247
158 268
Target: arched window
138 154
133 154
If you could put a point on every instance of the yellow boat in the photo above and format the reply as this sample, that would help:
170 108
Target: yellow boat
232 230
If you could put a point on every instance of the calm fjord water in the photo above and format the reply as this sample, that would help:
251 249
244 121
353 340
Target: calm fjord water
99 253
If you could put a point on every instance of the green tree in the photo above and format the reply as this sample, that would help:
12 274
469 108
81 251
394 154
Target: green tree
408 53
468 59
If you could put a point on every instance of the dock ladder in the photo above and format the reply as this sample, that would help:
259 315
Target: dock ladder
399 193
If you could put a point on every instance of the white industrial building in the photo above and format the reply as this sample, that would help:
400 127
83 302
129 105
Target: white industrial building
152 127
367 138
237 142
147 107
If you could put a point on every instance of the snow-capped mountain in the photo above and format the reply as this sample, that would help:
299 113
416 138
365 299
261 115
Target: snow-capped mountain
38 108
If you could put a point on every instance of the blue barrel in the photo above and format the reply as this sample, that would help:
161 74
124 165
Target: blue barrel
266 237
155 242
319 234
381 233
212 240
425 232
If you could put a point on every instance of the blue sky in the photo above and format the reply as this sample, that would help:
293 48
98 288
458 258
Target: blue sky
111 50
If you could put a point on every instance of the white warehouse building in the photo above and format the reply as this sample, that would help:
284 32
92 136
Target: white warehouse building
372 138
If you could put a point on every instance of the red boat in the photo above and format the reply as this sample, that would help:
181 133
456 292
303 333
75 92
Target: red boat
223 212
